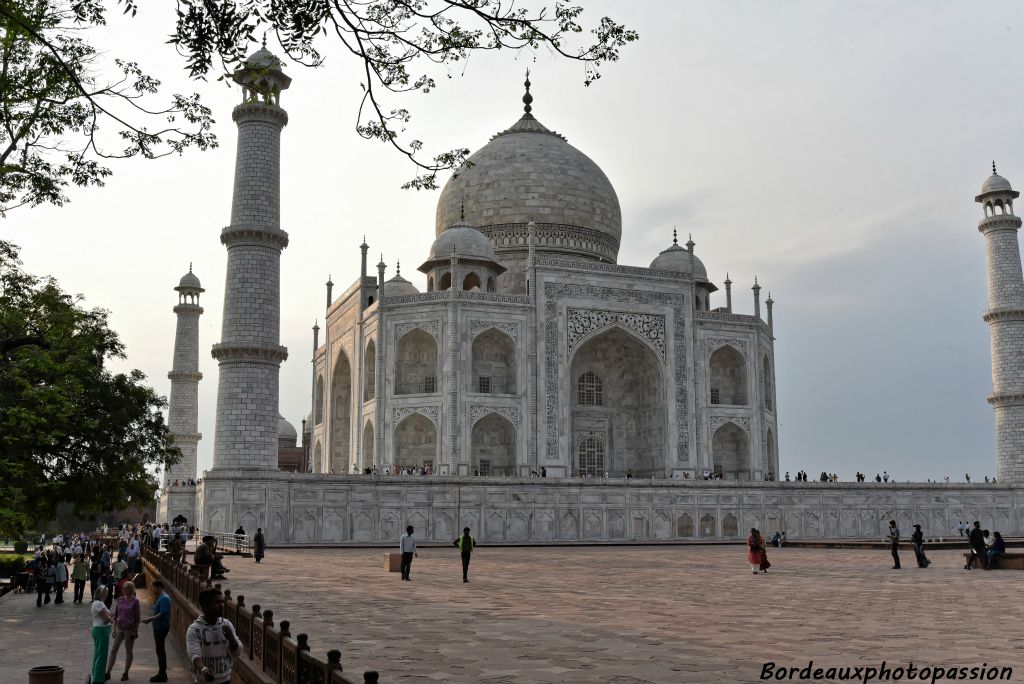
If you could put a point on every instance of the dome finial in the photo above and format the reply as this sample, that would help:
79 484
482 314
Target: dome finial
675 238
527 98
462 210
190 267
994 167
398 267
264 40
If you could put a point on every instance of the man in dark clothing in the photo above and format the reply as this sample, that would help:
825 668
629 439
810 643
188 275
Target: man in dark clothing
977 541
203 557
161 619
918 539
894 544
466 545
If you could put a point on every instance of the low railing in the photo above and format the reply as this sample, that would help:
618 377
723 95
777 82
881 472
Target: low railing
270 655
228 542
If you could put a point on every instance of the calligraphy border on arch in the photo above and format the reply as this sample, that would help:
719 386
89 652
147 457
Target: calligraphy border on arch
740 421
477 412
510 328
430 327
398 414
554 293
583 322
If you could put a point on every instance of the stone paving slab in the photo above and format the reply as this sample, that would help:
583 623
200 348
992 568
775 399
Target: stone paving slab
635 614
31 636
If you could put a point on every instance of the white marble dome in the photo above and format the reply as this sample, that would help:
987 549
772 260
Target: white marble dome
529 173
399 286
464 241
263 59
996 183
675 258
286 431
189 281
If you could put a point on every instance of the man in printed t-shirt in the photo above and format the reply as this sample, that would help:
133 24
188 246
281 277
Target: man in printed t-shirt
211 640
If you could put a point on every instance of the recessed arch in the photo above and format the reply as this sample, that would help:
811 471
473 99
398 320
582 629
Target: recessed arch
341 414
728 377
415 441
631 415
416 363
446 281
766 382
319 405
493 446
730 452
769 450
366 459
318 458
471 282
370 371
493 363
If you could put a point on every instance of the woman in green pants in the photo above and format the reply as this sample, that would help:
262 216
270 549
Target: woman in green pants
100 635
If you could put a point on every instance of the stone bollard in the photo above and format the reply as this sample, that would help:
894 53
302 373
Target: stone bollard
285 628
371 677
241 600
46 674
268 618
334 660
303 640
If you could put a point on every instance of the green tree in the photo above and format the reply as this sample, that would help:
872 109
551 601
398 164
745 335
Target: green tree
70 429
386 40
62 118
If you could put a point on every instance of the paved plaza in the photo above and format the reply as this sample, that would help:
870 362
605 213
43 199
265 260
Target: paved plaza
636 614
32 636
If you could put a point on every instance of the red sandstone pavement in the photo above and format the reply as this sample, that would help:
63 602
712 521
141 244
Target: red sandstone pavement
31 636
636 614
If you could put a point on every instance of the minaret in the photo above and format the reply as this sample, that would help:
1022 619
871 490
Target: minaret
183 407
250 353
757 299
728 293
1005 318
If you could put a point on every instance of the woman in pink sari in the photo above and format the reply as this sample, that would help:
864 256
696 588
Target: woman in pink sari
763 567
755 550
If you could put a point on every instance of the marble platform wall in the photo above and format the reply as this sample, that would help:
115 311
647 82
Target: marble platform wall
298 508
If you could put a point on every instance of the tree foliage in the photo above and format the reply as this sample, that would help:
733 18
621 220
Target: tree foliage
70 429
389 40
61 119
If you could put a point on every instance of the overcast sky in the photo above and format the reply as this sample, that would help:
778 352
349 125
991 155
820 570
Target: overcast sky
831 148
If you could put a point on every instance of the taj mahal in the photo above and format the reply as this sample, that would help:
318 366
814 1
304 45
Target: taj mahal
551 394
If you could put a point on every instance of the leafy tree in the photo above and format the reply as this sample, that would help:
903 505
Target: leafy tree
70 429
54 104
386 38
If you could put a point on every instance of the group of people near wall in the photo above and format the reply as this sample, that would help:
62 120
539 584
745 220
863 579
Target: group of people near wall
985 549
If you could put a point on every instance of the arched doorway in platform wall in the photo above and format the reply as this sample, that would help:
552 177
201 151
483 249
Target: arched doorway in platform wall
618 406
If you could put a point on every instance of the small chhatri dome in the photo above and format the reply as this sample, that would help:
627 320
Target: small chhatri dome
286 433
464 241
675 258
189 281
399 286
995 182
263 59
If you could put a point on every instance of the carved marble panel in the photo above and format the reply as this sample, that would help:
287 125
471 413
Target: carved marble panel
511 413
718 421
510 328
431 327
583 322
399 414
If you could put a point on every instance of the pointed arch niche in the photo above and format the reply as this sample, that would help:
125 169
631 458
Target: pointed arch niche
370 371
730 452
366 458
341 415
416 363
494 446
494 363
415 441
631 411
728 377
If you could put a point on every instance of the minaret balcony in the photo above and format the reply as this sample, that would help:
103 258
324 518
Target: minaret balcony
999 222
1005 399
189 309
226 352
187 376
261 236
259 111
1003 314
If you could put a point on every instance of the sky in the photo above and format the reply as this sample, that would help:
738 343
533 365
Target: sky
832 149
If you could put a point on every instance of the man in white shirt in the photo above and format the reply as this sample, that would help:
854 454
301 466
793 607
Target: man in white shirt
133 553
407 544
211 640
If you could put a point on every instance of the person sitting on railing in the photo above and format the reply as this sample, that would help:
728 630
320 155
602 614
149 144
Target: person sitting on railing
217 565
203 558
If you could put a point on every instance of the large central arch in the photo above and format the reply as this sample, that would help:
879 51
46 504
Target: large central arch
494 363
416 363
341 415
494 446
618 393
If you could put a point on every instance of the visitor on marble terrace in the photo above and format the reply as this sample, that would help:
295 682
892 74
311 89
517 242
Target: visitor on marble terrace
190 482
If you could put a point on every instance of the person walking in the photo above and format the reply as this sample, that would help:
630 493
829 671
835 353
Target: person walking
79 575
101 620
407 545
95 571
977 541
894 544
60 578
466 545
161 619
962 526
754 550
45 578
918 540
764 565
211 640
127 616
259 544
